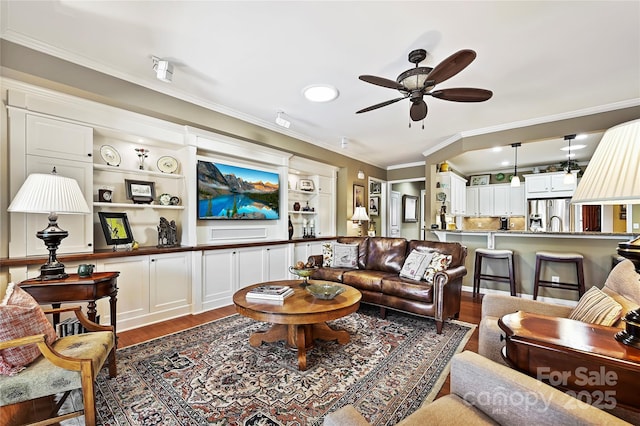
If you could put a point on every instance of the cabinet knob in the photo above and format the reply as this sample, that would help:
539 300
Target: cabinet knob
89 245
89 155
153 260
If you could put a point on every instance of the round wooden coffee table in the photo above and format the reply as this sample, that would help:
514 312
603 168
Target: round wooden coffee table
300 319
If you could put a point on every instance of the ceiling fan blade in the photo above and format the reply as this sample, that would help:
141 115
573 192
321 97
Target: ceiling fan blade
418 110
380 105
462 94
452 65
380 81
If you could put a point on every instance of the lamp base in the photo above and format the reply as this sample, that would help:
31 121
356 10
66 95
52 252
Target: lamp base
631 251
631 334
52 235
52 272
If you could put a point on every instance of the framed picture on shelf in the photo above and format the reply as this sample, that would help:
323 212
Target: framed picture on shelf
375 187
358 196
140 191
409 208
374 206
116 228
479 180
305 185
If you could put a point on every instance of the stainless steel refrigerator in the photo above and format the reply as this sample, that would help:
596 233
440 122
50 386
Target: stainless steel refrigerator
550 215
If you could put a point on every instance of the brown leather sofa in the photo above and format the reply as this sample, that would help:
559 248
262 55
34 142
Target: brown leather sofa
380 261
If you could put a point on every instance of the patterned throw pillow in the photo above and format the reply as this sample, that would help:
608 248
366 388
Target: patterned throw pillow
345 256
21 316
415 264
595 307
327 254
439 262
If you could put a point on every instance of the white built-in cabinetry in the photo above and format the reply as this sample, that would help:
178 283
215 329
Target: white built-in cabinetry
549 185
495 200
454 187
479 201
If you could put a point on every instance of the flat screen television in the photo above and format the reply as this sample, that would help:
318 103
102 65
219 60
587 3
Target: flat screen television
228 192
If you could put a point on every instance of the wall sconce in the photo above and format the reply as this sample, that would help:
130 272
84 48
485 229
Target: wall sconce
360 174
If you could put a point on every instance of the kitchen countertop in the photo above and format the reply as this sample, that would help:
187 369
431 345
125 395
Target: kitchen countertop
541 233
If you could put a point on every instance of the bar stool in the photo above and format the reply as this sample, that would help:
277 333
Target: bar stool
507 255
546 256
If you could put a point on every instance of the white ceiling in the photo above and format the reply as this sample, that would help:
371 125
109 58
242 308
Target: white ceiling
543 61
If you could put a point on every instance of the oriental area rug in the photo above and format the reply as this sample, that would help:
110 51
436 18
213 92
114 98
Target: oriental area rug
209 375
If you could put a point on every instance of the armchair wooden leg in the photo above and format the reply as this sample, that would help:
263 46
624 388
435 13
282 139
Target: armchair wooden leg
88 395
113 369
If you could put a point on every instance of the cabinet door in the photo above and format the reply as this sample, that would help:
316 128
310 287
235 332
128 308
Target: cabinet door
537 184
326 217
59 139
169 281
458 196
133 287
219 273
485 201
472 201
80 227
277 262
558 184
251 266
501 200
517 201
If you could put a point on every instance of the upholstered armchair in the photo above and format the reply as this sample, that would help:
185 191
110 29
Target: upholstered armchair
68 363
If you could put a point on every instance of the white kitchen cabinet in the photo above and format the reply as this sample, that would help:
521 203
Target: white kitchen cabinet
151 288
508 201
52 138
219 271
454 187
479 201
548 185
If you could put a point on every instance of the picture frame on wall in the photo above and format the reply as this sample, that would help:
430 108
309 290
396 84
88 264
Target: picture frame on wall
358 196
116 228
374 206
306 185
140 191
409 208
479 180
375 187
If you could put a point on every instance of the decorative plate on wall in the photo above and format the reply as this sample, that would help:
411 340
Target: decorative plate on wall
500 176
110 155
167 164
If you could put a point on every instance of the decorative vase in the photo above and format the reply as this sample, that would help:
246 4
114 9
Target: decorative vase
296 206
290 228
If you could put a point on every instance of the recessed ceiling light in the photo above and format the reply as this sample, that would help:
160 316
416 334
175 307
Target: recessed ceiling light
573 147
496 149
320 93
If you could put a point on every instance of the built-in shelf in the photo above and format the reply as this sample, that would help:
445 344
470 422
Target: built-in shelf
300 212
137 206
298 191
117 169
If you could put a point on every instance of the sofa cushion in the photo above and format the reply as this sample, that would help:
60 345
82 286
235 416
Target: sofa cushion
595 307
386 254
366 279
363 243
408 289
457 251
439 262
21 316
415 264
329 274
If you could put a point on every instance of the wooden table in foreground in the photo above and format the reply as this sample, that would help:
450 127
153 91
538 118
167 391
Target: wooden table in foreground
300 319
76 289
582 359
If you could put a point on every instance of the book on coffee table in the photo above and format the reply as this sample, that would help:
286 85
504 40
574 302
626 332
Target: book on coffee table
270 293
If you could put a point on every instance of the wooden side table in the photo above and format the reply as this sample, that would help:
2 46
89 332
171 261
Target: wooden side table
76 289
577 357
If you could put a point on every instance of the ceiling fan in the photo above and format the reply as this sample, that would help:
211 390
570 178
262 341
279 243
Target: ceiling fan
417 82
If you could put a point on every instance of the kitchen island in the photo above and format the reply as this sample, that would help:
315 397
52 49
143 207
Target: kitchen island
598 249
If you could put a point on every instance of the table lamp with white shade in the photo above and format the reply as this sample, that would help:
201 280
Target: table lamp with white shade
613 177
360 215
51 194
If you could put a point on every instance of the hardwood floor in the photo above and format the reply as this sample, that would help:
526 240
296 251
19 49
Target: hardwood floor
469 312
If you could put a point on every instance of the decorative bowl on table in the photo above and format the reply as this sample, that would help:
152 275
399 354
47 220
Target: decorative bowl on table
303 273
325 291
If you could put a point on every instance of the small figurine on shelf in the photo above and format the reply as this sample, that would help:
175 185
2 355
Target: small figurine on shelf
290 228
142 154
167 233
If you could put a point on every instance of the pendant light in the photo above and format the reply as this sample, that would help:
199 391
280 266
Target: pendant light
569 178
515 180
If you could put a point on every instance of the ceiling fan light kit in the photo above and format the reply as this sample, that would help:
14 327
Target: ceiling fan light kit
415 83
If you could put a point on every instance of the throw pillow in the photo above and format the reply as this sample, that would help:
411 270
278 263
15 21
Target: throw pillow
595 307
21 316
327 254
439 262
415 264
345 255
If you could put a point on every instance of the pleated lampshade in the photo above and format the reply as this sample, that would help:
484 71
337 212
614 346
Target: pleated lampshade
613 174
49 193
